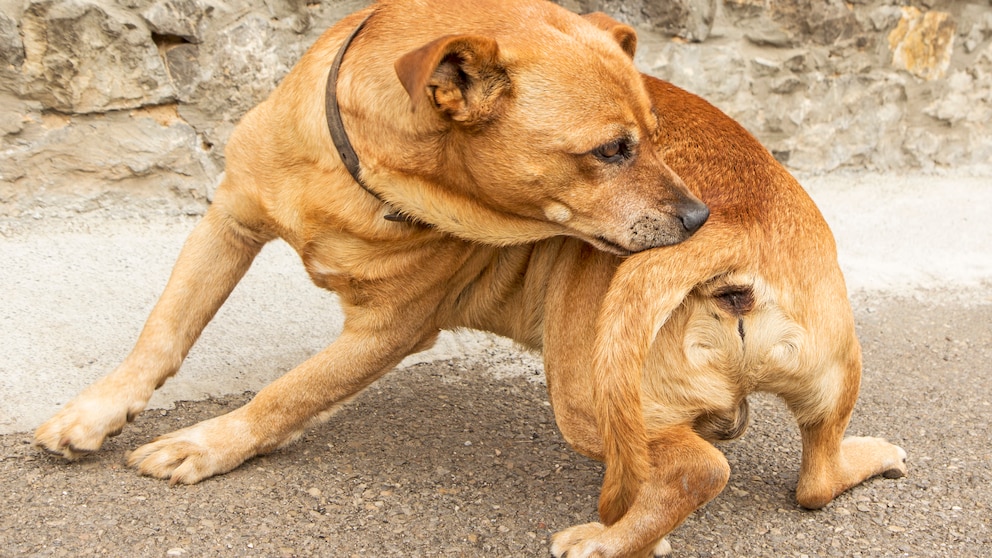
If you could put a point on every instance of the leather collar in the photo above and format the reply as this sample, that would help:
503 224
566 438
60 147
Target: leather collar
340 137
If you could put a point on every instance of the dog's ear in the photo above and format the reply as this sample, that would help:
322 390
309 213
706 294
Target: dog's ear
624 35
461 76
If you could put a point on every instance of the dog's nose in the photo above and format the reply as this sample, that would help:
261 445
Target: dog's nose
693 216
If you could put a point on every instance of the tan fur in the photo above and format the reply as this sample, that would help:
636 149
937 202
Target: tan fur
498 123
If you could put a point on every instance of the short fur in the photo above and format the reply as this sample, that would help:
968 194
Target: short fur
527 140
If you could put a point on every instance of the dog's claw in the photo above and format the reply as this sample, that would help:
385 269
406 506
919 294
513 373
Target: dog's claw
65 450
67 435
61 451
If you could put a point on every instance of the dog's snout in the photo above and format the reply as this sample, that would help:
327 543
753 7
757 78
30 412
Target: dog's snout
693 216
652 230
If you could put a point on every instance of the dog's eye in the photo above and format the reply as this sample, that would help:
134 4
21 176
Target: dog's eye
612 152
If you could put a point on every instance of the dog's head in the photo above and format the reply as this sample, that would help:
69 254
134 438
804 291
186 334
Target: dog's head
549 121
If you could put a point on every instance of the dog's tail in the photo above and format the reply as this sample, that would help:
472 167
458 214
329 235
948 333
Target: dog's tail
644 292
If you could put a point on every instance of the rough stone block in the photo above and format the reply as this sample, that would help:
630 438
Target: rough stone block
55 161
922 43
11 47
762 31
84 56
689 19
180 18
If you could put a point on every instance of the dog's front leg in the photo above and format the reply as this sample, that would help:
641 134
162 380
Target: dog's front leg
213 260
278 414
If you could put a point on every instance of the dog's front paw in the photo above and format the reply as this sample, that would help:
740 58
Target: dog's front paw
82 425
192 454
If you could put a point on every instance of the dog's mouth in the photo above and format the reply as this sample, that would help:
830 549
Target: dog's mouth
608 245
652 229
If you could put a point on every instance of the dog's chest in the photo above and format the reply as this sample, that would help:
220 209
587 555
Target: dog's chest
335 263
326 275
355 267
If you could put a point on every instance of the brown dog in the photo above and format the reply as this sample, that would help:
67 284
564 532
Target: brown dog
524 127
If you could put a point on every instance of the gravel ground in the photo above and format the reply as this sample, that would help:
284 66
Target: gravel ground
445 459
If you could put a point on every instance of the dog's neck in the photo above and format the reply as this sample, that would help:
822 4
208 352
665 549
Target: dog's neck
455 212
340 137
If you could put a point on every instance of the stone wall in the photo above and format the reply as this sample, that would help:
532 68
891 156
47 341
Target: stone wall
885 85
110 100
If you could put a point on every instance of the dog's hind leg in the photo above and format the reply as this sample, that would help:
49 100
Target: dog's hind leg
831 463
213 260
685 472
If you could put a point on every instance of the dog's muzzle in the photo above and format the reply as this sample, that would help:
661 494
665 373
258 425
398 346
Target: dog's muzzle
656 230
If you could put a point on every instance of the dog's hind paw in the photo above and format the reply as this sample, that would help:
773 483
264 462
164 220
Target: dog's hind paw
860 459
897 468
574 542
663 548
579 542
875 455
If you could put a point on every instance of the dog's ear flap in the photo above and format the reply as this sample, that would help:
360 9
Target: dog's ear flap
624 35
461 76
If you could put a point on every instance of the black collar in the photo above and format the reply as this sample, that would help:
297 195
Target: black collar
338 134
